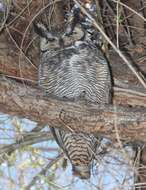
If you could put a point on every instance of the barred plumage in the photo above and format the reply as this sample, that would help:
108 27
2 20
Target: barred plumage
76 70
79 148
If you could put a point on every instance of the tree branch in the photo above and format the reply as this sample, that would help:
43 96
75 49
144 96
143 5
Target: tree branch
28 102
43 171
29 139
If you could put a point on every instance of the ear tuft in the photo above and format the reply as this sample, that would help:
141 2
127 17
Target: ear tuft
42 31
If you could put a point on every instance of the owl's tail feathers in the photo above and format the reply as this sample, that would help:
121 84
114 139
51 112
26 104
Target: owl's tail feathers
81 171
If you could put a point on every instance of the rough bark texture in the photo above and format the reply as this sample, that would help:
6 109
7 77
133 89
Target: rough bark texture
112 121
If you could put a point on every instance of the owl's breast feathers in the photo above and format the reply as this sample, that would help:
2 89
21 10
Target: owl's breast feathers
79 68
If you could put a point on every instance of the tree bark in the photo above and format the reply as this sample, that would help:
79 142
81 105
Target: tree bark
114 122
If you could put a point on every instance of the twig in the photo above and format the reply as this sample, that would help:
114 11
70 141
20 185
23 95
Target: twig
132 10
125 27
19 48
28 139
117 24
17 16
43 171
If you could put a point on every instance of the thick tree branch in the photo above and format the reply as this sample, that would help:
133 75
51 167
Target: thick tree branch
24 101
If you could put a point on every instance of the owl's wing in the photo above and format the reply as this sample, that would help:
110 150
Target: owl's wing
57 134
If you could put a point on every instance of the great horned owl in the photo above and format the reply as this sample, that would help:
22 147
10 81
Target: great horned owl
72 65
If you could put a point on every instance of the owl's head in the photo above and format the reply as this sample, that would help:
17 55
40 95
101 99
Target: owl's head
51 41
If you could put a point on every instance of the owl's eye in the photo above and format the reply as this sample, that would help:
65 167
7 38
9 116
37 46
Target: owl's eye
50 37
